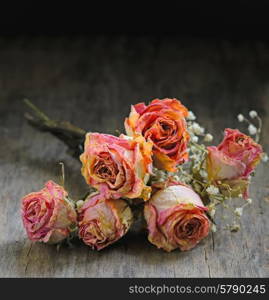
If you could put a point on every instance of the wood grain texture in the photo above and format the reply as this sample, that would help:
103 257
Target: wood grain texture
92 82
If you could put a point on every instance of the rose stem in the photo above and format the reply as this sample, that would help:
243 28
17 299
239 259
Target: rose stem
68 133
62 174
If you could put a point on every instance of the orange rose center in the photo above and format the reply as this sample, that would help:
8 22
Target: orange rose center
162 132
167 128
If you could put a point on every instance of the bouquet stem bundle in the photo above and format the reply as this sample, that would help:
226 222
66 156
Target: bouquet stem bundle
68 133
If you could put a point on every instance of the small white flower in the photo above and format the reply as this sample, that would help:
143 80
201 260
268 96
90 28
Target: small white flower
194 139
79 203
213 190
240 196
197 129
265 157
240 118
176 178
213 228
191 116
203 173
208 137
252 129
193 149
253 114
212 212
249 200
238 211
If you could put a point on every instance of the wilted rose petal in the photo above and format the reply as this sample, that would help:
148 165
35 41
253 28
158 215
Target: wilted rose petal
176 218
117 166
102 221
163 123
233 161
48 215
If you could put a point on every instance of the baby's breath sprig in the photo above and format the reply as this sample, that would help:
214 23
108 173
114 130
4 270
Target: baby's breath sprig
196 130
252 128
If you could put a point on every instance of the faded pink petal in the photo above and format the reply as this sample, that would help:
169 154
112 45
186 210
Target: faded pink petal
233 161
241 148
102 221
48 215
220 166
176 218
118 166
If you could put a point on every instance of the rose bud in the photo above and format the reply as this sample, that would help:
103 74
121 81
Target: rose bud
48 215
103 221
232 161
117 166
163 123
176 218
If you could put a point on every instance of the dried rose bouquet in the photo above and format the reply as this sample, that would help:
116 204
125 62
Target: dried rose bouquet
163 165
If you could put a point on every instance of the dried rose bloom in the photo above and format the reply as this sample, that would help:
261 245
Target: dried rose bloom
117 166
232 161
176 218
103 221
163 123
48 215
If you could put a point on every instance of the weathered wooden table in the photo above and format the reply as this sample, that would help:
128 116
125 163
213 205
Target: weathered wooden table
92 82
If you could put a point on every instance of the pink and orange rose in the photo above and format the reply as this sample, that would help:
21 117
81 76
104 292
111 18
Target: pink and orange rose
163 123
48 215
117 166
233 160
102 221
176 218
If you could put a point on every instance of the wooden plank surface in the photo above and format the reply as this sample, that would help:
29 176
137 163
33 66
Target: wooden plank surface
92 82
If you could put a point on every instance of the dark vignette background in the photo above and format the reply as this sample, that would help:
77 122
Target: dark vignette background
236 19
88 65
